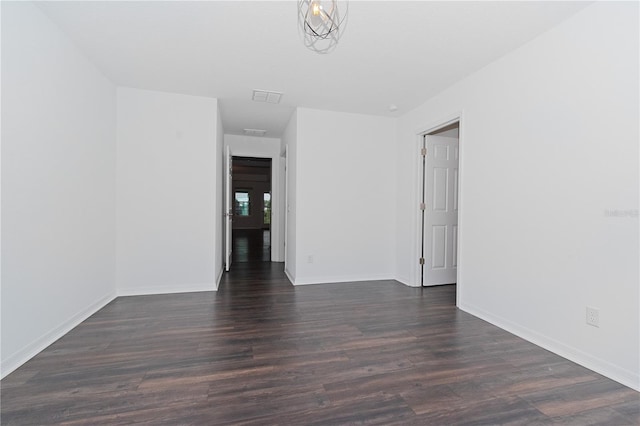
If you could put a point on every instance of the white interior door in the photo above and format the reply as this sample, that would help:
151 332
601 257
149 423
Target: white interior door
228 209
440 238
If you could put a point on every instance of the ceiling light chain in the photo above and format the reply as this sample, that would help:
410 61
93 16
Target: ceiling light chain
322 22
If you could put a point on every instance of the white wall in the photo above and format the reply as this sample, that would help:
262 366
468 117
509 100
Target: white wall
166 192
290 142
345 214
549 144
219 208
58 185
253 146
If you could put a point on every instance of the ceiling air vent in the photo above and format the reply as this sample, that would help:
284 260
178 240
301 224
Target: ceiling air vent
254 132
267 96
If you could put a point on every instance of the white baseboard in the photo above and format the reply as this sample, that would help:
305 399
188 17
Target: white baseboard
600 366
219 278
341 279
34 348
406 281
166 289
291 277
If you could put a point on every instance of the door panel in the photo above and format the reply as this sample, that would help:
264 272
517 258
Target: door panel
438 246
455 189
441 211
454 258
440 152
439 189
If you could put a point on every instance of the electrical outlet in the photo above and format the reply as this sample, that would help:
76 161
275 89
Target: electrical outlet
310 259
593 316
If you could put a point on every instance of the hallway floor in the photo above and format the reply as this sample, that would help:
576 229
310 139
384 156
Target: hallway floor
251 245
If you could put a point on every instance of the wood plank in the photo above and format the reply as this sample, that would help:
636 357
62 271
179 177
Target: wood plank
261 351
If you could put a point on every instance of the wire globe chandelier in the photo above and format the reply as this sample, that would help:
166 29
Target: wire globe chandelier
322 22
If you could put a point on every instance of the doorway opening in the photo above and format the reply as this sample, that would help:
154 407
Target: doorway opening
439 182
251 205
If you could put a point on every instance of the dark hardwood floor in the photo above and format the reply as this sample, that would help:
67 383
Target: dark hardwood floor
251 245
262 352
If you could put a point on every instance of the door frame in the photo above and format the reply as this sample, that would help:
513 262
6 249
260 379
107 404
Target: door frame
417 232
277 233
227 206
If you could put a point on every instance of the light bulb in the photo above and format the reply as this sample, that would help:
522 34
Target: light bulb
315 8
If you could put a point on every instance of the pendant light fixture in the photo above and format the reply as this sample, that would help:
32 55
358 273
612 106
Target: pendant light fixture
322 22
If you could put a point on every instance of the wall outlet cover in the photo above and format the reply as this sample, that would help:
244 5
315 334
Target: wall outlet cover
593 316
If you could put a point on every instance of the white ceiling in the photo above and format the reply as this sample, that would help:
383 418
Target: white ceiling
392 52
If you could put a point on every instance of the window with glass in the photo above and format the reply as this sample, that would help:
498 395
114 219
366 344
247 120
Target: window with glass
266 208
242 203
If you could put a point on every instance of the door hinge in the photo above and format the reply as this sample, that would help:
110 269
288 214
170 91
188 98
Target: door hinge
422 260
423 206
423 152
